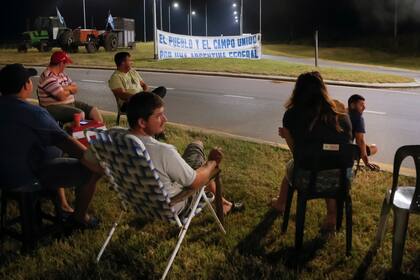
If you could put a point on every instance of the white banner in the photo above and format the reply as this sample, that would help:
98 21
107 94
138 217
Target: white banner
172 46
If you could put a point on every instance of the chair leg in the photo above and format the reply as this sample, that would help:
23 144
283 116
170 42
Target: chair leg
339 207
28 217
108 239
214 214
380 234
300 221
118 118
286 214
400 232
349 225
182 233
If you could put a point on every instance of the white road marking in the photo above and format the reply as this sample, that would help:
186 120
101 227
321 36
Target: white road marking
168 88
375 112
238 96
93 81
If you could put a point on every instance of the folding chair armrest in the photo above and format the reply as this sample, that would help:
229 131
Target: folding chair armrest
182 196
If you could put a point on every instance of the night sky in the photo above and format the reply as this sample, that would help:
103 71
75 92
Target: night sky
282 19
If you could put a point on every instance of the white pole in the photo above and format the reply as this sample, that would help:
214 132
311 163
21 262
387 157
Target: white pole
242 17
206 18
144 20
169 17
154 30
84 14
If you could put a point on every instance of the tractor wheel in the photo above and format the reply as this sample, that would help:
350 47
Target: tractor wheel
42 47
23 47
66 40
91 47
111 42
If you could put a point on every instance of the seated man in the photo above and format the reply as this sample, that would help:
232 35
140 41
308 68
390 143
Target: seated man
28 135
356 107
56 92
126 81
146 117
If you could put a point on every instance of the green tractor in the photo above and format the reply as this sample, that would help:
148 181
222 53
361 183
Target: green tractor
49 32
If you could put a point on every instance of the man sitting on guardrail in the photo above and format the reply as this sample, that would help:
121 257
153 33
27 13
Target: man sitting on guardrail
56 92
356 107
126 81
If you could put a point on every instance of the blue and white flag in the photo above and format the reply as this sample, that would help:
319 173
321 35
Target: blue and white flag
60 18
110 21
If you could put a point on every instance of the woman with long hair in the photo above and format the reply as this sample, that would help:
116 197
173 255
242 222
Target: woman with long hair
311 117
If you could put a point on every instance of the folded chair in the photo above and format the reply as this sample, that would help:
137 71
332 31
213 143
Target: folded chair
322 171
404 200
130 171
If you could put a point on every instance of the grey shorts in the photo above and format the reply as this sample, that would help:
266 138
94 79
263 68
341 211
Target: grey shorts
64 112
195 157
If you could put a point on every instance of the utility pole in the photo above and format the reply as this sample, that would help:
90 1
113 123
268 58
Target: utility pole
169 18
316 48
395 19
190 13
154 31
144 20
160 6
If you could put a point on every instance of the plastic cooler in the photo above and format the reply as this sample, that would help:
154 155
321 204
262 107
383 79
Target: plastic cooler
78 131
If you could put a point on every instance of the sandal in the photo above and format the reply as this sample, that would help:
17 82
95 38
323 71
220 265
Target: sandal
236 207
273 205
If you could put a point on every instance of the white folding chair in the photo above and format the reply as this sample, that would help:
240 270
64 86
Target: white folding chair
130 171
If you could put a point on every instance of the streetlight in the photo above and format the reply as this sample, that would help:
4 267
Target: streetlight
84 14
235 12
154 30
234 5
206 16
242 17
144 20
193 13
175 5
160 6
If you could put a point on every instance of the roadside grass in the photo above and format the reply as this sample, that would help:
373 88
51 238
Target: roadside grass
253 247
348 54
143 58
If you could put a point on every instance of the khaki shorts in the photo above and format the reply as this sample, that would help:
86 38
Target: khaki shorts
64 112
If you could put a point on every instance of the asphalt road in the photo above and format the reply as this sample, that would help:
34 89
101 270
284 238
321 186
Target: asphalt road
254 108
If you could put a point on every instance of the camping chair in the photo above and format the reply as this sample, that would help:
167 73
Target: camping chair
404 200
119 112
322 171
131 172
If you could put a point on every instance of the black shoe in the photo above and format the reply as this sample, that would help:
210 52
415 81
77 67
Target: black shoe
93 223
236 207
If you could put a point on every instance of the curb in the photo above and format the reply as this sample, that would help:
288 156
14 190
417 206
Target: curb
252 76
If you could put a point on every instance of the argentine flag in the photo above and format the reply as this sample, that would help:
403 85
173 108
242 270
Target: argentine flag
60 18
110 21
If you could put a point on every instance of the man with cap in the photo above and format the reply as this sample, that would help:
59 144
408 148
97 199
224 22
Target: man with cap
30 137
56 92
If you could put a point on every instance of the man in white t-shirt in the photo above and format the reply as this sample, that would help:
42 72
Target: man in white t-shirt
146 117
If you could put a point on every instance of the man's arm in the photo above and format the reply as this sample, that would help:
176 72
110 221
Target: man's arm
144 86
72 147
122 94
72 88
289 140
204 174
360 141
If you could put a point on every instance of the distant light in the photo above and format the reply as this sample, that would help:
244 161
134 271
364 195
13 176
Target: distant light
193 13
236 20
234 5
235 12
176 5
236 17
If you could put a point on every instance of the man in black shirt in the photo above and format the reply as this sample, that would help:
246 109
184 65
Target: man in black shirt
356 107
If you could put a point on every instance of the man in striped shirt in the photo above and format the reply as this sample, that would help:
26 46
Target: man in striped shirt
56 92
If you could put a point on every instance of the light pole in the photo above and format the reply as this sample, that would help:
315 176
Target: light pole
191 18
154 30
160 7
395 19
206 16
260 16
84 14
144 20
175 5
242 17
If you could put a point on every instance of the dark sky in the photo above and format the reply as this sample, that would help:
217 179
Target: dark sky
282 19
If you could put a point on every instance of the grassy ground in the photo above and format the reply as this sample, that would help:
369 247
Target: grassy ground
253 247
348 54
143 56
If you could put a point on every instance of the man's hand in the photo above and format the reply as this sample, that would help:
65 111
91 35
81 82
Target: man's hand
373 166
281 132
144 86
216 155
